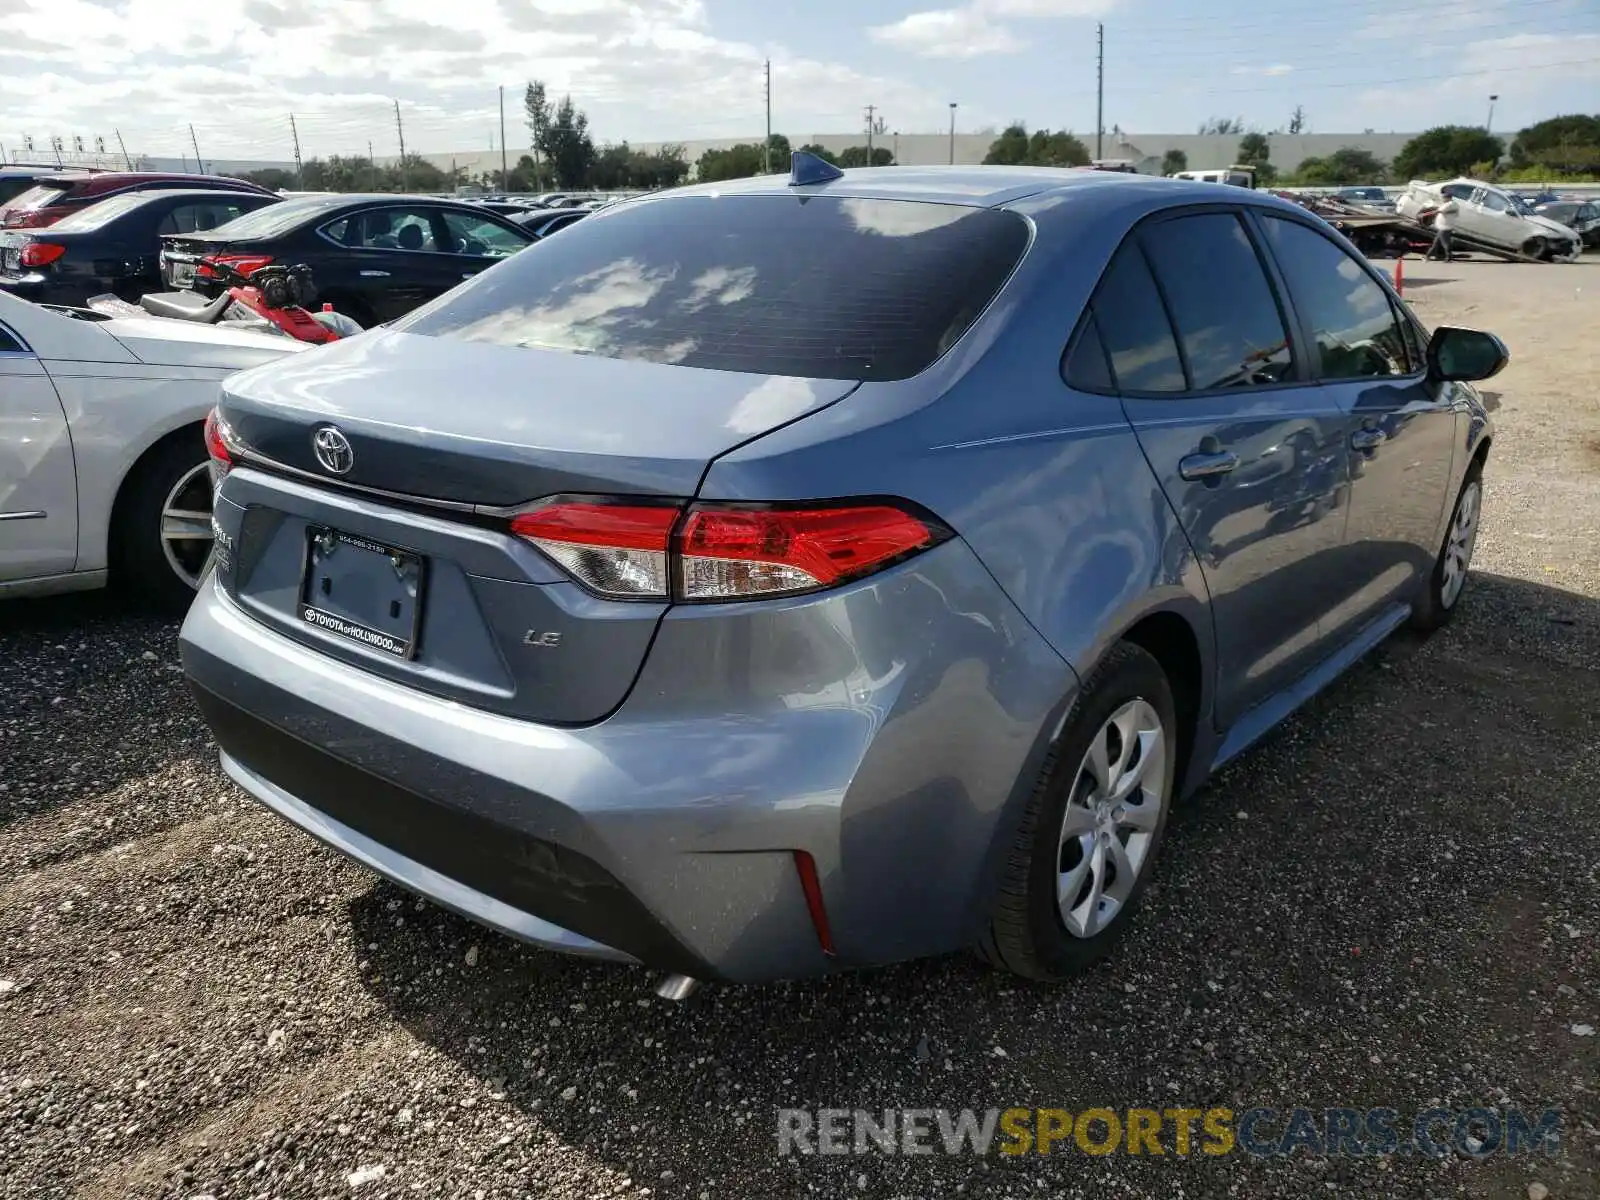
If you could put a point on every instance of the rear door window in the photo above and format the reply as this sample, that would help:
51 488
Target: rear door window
822 287
1133 326
202 217
477 236
1237 343
1353 324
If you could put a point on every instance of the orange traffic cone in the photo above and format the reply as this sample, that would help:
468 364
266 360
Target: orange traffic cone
1400 275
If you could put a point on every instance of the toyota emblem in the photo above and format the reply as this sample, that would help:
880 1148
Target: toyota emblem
333 450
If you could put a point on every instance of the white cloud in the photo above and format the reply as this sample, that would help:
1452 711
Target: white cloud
238 68
1275 69
947 33
972 30
1533 72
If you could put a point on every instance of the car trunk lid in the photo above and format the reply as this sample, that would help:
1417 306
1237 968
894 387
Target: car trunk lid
479 424
414 572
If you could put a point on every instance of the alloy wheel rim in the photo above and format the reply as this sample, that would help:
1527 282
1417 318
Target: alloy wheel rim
1112 816
186 538
1459 545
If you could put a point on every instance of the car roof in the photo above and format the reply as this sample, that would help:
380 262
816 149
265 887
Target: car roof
991 187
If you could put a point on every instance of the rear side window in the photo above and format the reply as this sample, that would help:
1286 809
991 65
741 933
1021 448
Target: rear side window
8 343
36 198
1221 303
203 217
1134 328
821 287
1086 366
1356 331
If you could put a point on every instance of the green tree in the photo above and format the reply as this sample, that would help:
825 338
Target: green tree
856 156
1566 145
344 174
413 174
1446 150
780 153
1174 161
1297 120
1221 126
1254 150
1016 147
1347 165
275 178
567 146
665 168
536 106
1010 149
736 162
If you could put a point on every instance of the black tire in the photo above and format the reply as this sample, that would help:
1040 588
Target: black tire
139 564
1437 604
1537 248
1027 934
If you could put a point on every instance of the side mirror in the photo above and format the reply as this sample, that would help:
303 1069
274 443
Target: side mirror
1465 355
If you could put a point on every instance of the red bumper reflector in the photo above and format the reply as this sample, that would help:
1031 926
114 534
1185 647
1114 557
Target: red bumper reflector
806 866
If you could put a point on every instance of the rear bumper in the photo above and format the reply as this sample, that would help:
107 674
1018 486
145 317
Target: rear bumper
890 730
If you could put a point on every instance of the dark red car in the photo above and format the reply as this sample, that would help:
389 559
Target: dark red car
54 196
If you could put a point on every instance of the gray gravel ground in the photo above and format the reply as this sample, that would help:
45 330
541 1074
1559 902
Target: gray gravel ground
1395 902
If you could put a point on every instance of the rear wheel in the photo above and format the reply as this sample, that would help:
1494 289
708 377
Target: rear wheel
1089 837
1449 576
161 536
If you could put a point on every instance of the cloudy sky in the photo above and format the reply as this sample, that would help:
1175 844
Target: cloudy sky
650 70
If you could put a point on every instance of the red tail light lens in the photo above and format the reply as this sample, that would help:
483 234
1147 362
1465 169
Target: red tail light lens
41 254
630 551
616 549
806 867
245 264
222 444
730 554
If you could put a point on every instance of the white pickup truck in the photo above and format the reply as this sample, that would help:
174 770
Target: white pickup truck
1493 215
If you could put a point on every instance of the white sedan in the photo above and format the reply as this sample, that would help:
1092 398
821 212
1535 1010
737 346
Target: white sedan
1494 215
103 466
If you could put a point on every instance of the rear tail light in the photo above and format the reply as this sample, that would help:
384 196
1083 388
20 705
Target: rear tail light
223 446
41 254
724 552
616 549
245 264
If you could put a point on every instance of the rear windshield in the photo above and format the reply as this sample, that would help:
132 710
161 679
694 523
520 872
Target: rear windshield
40 196
815 286
275 219
101 214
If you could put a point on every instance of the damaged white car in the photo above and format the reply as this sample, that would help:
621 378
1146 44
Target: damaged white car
1492 215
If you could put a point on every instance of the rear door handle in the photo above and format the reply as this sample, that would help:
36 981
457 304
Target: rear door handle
1207 464
1367 439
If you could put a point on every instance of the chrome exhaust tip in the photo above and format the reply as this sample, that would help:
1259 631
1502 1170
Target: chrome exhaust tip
677 987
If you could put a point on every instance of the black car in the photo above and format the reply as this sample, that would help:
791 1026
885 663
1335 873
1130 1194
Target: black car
542 223
112 246
374 258
1581 215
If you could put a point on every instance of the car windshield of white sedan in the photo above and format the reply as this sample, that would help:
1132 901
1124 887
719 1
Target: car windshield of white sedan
820 287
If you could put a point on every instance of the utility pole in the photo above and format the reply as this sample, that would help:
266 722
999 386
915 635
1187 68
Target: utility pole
195 142
952 133
121 146
871 109
897 147
1100 92
405 174
299 170
505 170
372 169
766 150
1488 125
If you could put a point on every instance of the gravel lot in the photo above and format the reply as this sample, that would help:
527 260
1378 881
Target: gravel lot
1395 902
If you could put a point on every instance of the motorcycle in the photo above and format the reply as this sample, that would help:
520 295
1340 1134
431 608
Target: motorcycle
275 298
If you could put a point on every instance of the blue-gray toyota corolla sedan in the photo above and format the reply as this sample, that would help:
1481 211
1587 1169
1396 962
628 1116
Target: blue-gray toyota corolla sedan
767 578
